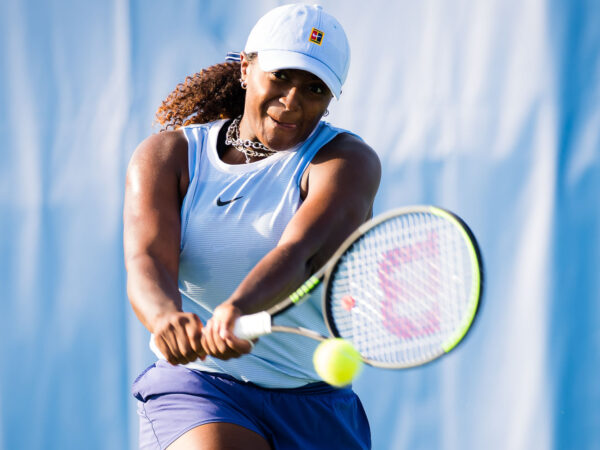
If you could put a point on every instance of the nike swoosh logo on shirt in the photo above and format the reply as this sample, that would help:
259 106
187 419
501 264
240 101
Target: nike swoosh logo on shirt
226 202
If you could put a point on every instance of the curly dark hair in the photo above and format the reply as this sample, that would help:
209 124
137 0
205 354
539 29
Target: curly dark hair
211 94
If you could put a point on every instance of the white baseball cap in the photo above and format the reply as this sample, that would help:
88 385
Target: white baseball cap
304 37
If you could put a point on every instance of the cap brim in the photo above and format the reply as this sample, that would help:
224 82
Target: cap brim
270 60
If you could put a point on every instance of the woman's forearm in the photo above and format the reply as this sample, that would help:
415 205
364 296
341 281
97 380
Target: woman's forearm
152 290
276 275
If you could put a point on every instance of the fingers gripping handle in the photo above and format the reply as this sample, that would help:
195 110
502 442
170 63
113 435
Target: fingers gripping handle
253 325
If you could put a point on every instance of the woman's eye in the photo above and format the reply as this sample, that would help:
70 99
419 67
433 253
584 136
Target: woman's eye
280 75
317 89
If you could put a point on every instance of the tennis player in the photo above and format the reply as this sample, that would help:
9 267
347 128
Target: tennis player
244 194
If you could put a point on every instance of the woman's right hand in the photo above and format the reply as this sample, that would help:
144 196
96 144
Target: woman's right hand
178 336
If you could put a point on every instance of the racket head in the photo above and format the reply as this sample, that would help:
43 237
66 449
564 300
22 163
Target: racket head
405 287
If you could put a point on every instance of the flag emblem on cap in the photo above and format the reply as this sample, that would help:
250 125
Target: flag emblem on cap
316 36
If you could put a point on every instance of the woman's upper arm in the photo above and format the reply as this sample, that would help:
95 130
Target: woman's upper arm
342 181
157 178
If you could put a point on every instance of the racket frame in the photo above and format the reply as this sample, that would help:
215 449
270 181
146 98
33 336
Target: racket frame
476 291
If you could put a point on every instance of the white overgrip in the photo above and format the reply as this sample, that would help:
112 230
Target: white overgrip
155 349
253 325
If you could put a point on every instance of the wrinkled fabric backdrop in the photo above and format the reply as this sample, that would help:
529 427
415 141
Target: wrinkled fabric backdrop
488 108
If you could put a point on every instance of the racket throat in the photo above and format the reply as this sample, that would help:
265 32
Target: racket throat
300 331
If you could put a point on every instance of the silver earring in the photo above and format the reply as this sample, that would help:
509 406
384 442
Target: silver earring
326 113
243 83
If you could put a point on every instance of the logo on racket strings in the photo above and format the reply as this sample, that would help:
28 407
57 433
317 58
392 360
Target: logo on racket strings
402 299
348 302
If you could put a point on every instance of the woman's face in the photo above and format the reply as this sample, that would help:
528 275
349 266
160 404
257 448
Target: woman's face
282 107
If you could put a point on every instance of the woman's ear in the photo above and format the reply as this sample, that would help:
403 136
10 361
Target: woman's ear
244 63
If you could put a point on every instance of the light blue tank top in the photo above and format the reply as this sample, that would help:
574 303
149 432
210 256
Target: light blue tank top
232 216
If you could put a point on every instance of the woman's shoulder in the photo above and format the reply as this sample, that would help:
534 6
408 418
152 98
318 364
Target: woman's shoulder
165 147
164 143
161 154
349 147
346 157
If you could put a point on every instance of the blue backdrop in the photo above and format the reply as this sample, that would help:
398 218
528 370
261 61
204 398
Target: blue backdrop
489 108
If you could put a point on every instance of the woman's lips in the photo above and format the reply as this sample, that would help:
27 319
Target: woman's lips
286 125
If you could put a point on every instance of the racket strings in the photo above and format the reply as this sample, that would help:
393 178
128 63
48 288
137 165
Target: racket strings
403 289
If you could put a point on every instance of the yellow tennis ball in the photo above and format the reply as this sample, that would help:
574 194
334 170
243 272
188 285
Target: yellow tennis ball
337 361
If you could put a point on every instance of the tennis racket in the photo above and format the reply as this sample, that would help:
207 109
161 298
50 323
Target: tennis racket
404 289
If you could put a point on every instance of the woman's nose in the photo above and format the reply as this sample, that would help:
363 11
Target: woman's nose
290 99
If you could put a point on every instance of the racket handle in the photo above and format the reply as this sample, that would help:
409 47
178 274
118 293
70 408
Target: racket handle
253 325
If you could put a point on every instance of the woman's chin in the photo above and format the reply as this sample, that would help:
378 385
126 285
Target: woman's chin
282 141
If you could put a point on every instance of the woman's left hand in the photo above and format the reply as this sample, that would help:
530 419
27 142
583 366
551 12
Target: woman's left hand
218 339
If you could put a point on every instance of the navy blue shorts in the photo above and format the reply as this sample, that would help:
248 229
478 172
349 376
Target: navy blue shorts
173 400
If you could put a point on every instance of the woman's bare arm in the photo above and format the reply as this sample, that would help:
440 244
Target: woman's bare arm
157 180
